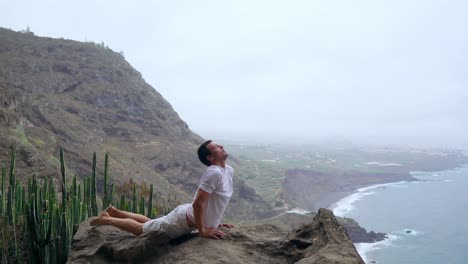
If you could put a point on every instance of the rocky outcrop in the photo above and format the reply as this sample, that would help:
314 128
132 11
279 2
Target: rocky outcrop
322 241
358 234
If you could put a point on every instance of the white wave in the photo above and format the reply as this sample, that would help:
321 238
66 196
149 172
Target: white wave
346 205
461 169
411 232
418 173
382 164
364 248
399 186
382 185
429 179
298 211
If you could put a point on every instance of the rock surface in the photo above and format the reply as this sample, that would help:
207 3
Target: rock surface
358 234
322 241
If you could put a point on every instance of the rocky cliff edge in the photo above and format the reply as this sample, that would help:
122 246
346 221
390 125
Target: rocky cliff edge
322 241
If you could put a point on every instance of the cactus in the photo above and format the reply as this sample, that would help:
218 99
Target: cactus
13 205
74 186
12 166
23 200
39 219
150 203
64 244
142 205
75 203
93 188
11 185
158 206
64 188
122 202
85 194
75 208
18 203
9 208
111 194
36 212
88 198
134 200
78 192
105 200
3 194
84 211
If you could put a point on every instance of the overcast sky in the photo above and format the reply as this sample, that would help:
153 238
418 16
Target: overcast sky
369 71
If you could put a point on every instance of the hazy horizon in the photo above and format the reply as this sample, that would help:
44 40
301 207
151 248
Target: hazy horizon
332 141
300 71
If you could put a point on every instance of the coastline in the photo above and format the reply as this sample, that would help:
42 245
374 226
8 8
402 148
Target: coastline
330 199
325 190
312 190
346 203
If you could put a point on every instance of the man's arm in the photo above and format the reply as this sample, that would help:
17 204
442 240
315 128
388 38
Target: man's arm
226 225
198 208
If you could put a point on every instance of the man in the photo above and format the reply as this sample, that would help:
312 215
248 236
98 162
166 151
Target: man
205 212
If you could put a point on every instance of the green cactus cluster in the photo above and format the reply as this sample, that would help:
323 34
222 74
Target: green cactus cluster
138 203
37 223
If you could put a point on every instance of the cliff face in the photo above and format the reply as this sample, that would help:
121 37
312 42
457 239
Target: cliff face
86 98
323 241
358 234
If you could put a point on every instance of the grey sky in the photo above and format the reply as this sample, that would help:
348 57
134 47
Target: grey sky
371 71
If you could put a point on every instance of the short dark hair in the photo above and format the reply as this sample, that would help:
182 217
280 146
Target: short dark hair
204 152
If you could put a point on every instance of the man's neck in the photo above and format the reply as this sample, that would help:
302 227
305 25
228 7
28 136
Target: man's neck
221 164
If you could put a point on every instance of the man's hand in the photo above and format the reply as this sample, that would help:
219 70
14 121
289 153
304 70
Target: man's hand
211 232
226 225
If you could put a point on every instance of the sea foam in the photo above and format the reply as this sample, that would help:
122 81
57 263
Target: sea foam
365 248
299 211
346 205
411 232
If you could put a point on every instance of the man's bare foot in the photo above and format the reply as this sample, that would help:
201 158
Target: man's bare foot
100 220
111 210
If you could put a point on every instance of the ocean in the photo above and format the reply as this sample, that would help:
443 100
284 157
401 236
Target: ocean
426 220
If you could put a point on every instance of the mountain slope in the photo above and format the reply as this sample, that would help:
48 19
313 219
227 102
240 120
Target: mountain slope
86 98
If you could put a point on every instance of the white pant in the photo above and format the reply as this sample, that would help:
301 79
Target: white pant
174 223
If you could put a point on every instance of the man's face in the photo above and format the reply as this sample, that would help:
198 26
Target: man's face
217 152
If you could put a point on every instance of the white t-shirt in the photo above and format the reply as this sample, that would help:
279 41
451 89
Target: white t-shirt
216 181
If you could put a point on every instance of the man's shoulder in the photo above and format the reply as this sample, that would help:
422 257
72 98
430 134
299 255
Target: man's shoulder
213 169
